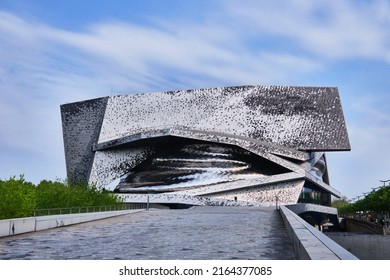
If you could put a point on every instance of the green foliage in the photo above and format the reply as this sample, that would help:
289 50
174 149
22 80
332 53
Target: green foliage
376 201
339 203
17 198
20 198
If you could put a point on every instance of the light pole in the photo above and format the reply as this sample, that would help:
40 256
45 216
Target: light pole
384 185
277 202
384 182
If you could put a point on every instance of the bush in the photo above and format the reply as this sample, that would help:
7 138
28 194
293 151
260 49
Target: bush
17 198
20 198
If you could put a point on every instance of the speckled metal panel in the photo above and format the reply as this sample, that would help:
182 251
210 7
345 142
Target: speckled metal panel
81 123
111 164
284 193
292 127
181 131
304 118
287 178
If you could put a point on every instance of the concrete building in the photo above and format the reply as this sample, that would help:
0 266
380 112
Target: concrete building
252 144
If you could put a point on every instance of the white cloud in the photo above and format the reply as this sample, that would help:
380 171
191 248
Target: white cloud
334 29
374 109
133 56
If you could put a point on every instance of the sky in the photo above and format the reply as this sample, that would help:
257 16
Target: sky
57 52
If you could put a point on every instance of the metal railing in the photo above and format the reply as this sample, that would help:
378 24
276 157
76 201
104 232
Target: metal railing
88 209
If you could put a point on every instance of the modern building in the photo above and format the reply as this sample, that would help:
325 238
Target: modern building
252 144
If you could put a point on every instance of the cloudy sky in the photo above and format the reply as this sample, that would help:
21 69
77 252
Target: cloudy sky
54 52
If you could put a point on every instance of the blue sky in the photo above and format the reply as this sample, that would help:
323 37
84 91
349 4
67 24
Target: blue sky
54 52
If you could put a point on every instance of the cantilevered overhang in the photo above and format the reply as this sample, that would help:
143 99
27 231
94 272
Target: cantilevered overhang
268 151
217 137
257 147
321 185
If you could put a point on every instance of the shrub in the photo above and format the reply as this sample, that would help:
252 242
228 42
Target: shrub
17 198
20 198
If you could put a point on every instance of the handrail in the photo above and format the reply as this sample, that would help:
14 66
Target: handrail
87 209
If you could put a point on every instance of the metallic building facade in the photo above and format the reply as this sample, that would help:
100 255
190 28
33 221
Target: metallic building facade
247 143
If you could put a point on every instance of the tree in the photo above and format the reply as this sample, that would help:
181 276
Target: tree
17 198
340 202
20 198
377 201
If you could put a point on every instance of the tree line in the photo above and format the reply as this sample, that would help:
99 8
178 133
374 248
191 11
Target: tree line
19 198
377 201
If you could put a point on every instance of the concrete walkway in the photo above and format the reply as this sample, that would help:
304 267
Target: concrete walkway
196 233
